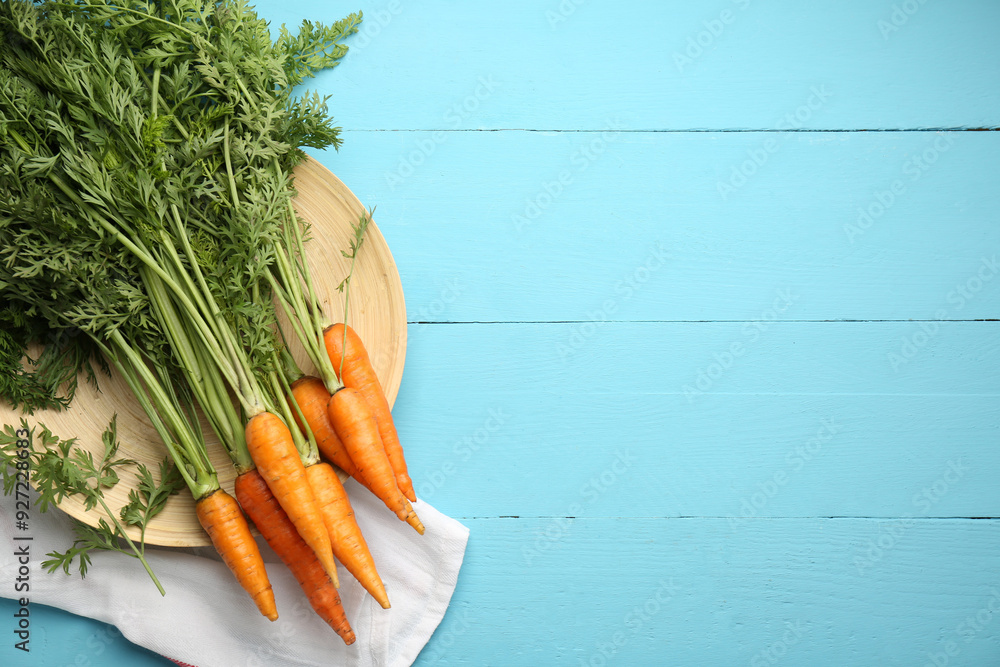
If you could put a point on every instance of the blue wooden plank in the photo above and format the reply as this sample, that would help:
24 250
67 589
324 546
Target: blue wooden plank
728 64
809 420
60 638
697 592
851 592
529 226
691 360
593 421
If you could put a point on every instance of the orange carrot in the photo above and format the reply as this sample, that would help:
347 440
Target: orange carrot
312 397
279 531
273 451
355 426
359 374
222 519
349 544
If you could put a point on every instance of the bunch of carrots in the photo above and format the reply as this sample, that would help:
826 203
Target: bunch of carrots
290 423
146 201
287 489
297 501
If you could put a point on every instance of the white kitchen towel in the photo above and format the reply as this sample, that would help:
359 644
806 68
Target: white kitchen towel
207 620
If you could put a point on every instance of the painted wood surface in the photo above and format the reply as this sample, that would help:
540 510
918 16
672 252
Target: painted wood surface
689 592
722 396
664 420
530 226
673 65
698 592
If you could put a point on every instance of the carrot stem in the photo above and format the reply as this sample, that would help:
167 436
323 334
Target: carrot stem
246 385
300 300
149 261
138 553
190 458
306 448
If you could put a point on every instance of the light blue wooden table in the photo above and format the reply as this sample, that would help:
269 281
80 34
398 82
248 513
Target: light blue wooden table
702 338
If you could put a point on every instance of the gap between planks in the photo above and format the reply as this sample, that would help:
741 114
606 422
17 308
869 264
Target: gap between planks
688 130
982 319
739 518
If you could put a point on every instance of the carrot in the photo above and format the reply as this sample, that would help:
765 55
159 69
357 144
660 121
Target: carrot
273 451
312 397
355 426
279 531
349 544
222 519
354 369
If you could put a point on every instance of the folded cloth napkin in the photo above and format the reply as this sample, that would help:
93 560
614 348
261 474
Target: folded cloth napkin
207 620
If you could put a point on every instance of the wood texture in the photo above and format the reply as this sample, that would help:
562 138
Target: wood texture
377 311
698 592
578 65
810 420
544 399
642 224
691 591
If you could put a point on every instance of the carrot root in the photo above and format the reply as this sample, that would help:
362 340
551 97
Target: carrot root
355 426
273 451
312 398
220 515
359 374
260 505
349 546
413 519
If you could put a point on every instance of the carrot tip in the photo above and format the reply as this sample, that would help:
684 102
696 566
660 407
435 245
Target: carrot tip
331 569
265 604
414 521
380 597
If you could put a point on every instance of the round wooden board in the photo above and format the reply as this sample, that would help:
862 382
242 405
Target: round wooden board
377 312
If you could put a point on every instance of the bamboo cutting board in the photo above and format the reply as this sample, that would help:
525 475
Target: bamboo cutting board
377 312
